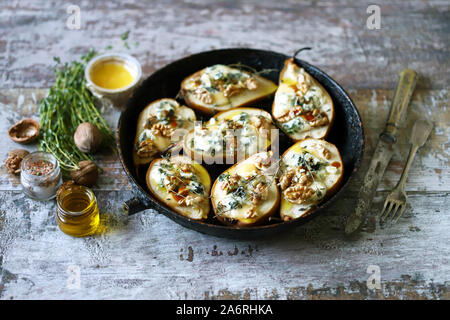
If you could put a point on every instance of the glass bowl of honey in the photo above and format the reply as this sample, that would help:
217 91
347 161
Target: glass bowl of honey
112 77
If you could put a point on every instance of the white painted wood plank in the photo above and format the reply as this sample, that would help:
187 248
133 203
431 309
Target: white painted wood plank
149 256
34 32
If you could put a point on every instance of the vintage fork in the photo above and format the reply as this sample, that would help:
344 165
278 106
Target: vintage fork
396 200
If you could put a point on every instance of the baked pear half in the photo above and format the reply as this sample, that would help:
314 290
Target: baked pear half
162 123
220 87
310 172
181 184
302 108
231 136
246 194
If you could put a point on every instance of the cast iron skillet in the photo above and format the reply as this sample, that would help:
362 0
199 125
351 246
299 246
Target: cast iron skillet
346 133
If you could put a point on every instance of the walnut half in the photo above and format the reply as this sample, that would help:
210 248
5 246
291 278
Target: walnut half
326 153
232 89
204 96
162 129
251 213
14 160
322 121
288 116
303 82
146 149
298 193
260 194
286 178
251 83
190 200
231 183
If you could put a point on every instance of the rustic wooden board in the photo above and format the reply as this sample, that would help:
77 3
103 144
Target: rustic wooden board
136 258
413 33
148 255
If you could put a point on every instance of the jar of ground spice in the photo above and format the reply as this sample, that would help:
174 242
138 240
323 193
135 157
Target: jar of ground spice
40 175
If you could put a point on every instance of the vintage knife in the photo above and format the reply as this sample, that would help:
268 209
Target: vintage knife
384 150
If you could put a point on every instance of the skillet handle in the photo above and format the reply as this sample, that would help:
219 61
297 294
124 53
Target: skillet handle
133 206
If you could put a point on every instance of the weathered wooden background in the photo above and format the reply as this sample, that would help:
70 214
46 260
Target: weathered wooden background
149 256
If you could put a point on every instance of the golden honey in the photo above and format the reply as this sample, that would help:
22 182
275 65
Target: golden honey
111 75
77 211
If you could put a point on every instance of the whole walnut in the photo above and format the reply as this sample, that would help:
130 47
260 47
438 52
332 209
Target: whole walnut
64 186
87 173
87 137
15 157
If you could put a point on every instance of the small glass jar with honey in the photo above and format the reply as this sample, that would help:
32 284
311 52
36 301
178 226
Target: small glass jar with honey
77 211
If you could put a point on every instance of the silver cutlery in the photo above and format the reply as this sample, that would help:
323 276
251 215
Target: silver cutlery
395 203
383 151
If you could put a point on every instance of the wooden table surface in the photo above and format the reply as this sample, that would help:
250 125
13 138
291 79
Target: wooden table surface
147 256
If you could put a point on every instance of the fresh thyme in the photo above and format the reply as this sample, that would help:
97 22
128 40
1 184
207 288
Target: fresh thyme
68 104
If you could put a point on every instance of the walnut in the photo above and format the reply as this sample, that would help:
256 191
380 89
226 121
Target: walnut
185 167
286 178
146 149
15 157
87 137
149 122
191 200
231 90
87 173
263 163
203 95
171 182
24 131
65 185
196 81
288 116
251 213
303 82
256 121
320 122
162 129
260 122
251 83
303 88
183 196
326 153
234 125
231 183
305 180
298 193
261 192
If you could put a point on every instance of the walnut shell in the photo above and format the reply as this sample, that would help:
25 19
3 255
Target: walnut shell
14 160
87 137
24 131
65 185
86 175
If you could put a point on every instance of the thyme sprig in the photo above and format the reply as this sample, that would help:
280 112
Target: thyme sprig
68 104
